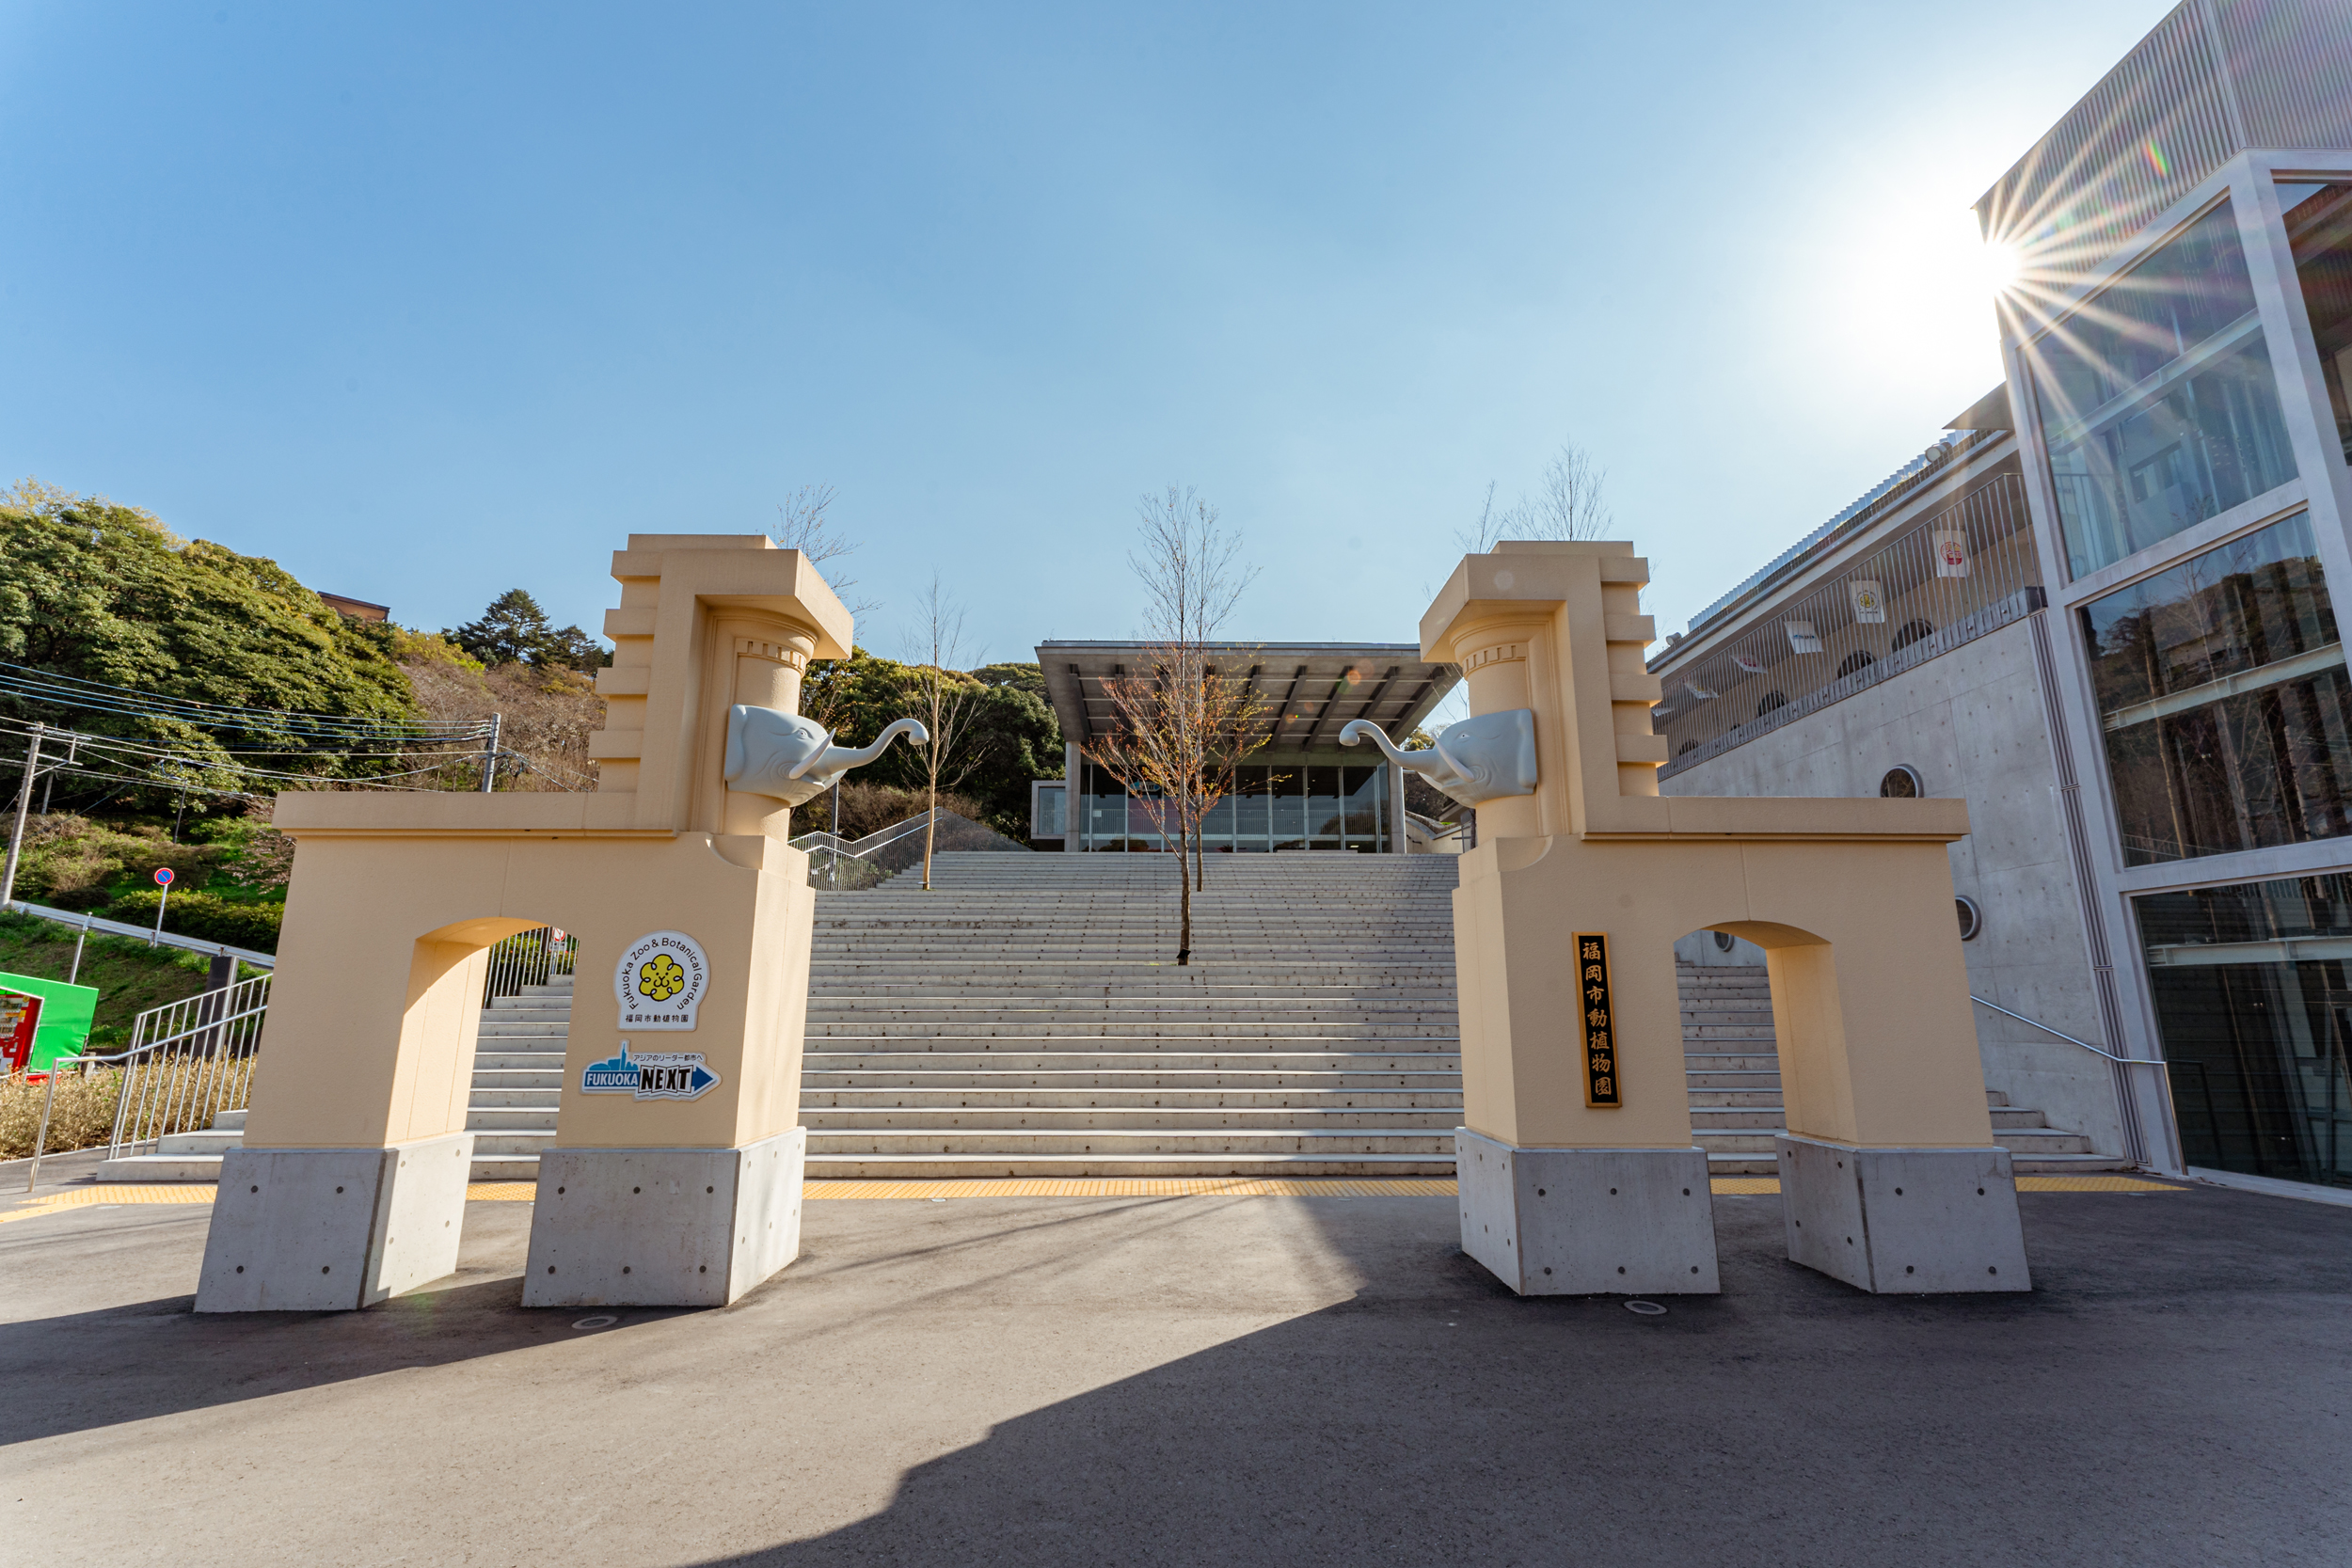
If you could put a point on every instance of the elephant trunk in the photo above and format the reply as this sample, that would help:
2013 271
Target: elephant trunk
1364 729
832 760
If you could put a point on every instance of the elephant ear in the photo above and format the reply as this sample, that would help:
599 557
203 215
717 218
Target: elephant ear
737 716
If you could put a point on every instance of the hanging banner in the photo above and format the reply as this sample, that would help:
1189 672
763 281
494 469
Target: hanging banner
1869 600
1802 639
1602 1090
1952 553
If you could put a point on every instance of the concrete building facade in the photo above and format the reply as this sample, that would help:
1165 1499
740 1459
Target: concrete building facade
2099 610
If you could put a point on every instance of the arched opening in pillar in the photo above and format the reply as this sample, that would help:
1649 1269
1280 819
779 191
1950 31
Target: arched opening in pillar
482 1040
1730 1057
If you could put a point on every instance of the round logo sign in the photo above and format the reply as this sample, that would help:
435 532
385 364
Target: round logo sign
162 876
661 980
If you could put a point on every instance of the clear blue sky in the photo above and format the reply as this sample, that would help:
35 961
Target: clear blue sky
429 301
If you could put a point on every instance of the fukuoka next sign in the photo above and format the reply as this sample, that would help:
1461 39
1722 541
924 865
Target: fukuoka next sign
661 980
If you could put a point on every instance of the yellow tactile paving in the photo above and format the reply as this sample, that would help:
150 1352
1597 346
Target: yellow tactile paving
83 1197
2092 1184
1137 1186
1048 1187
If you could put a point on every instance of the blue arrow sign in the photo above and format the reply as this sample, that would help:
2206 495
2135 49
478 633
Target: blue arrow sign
654 1075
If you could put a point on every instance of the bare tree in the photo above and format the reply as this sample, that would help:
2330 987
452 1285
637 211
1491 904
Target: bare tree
1179 727
805 523
1229 714
1571 502
949 700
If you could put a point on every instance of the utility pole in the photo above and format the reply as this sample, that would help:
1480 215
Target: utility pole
490 754
72 755
24 803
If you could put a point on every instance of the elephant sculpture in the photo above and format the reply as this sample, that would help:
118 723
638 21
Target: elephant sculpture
1484 758
792 758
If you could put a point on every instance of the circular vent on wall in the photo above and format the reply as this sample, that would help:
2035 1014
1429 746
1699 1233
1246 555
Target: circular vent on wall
1971 918
1902 782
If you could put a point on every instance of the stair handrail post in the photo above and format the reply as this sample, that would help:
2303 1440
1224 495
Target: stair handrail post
24 803
2164 1073
41 1139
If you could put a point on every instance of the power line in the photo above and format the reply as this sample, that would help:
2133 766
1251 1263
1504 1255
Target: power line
27 683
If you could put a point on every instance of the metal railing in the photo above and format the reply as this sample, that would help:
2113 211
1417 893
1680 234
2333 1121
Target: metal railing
1433 832
850 866
535 957
87 923
1817 648
187 1061
2164 1073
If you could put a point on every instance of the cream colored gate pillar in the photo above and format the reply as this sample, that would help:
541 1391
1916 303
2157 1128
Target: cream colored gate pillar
1577 1169
675 1175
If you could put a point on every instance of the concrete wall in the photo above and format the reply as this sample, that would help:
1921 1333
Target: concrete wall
1971 721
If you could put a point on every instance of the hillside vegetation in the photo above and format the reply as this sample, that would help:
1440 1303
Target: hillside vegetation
104 593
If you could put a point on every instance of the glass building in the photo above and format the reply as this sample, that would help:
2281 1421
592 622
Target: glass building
2102 609
1298 790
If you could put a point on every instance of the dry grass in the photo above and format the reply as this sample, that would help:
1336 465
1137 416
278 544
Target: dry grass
549 714
180 1094
83 1117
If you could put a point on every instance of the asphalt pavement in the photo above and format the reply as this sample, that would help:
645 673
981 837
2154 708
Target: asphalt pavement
1196 1380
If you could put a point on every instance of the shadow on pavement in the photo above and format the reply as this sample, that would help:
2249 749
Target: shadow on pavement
77 1372
2178 1389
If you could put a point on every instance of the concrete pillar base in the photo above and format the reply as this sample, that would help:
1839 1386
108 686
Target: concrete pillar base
1902 1220
333 1230
663 1227
1567 1222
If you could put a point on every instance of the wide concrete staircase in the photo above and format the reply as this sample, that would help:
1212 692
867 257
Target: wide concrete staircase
1734 1068
1026 1017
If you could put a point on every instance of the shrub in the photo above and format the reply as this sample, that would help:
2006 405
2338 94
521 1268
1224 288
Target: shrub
81 1116
253 926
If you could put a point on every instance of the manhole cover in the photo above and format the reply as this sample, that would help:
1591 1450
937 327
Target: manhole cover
1647 1308
607 1321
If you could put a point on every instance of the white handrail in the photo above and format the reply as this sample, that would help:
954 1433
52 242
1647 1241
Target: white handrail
168 938
222 1027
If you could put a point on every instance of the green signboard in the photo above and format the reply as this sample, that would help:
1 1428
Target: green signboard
66 1012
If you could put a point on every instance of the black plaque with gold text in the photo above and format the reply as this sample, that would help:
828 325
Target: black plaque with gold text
1601 1085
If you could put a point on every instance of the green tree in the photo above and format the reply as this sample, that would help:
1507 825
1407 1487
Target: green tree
515 631
1011 738
104 593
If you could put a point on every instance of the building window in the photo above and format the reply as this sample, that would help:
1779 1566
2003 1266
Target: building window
1046 817
2157 405
1283 806
2319 229
2253 1003
2223 699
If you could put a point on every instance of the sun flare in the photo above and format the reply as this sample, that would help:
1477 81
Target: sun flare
2002 264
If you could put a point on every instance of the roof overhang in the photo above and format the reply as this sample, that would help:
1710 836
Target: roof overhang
1312 689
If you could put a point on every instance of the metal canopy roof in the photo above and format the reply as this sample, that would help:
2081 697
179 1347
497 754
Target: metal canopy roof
1312 689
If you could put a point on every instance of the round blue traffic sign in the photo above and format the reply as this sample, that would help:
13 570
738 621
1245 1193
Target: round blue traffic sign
162 876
